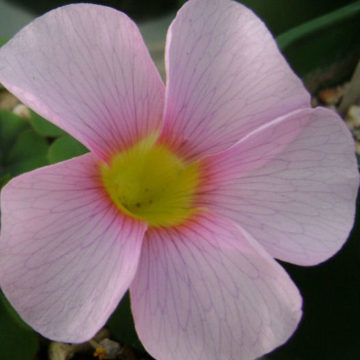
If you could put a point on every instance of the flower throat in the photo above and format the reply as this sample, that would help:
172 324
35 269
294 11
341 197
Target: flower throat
150 182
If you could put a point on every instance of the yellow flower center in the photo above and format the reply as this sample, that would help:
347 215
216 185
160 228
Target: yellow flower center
150 182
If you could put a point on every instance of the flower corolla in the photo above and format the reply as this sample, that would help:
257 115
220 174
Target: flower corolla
189 191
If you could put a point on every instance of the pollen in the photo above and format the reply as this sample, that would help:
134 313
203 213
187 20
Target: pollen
150 182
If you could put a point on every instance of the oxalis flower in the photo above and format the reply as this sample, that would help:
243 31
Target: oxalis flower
189 191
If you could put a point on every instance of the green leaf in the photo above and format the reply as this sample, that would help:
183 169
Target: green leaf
322 22
17 340
10 127
3 41
324 50
4 179
44 127
28 153
121 324
64 148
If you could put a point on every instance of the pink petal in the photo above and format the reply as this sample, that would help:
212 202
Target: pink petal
209 291
86 69
292 184
67 256
226 77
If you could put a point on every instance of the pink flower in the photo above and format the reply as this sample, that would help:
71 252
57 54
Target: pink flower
189 191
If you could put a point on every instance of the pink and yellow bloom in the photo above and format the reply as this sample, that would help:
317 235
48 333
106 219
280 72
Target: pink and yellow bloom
189 191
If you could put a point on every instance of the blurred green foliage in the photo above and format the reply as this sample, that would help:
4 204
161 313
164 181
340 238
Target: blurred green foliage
17 340
324 51
11 126
2 42
28 144
21 148
281 15
64 148
44 127
29 152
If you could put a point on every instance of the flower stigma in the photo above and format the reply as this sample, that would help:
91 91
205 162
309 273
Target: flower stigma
148 181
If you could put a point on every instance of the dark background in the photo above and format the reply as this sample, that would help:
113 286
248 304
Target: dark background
280 15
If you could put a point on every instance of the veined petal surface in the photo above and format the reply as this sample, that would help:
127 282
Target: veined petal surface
67 255
292 184
225 77
208 291
86 68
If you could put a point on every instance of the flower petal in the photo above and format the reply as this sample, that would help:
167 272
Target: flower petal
67 255
226 77
292 184
209 291
86 69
